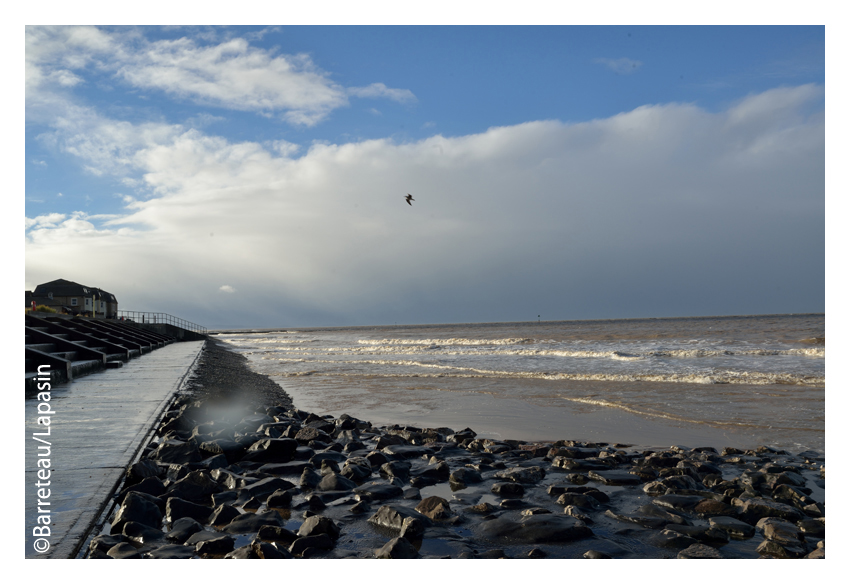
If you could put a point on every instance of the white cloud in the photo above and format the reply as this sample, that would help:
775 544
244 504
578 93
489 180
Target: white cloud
381 90
713 199
231 74
622 66
227 289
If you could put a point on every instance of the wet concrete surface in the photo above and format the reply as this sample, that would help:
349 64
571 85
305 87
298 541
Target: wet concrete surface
98 425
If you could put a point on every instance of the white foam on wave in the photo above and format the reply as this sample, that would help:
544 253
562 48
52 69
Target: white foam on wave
450 341
717 377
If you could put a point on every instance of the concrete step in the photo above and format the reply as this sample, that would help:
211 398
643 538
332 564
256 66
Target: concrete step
44 347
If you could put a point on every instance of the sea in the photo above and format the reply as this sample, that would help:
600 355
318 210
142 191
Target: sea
739 381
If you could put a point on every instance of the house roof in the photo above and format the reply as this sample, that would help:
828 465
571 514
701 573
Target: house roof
63 287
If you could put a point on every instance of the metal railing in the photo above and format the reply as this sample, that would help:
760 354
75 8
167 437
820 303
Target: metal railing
161 318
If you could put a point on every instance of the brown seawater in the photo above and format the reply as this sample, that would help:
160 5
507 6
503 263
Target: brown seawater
739 381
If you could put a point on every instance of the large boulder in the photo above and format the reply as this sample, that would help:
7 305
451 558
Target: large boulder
398 548
434 507
138 508
271 450
176 508
317 524
252 522
535 529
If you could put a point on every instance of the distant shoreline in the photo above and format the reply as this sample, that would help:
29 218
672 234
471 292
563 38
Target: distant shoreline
283 329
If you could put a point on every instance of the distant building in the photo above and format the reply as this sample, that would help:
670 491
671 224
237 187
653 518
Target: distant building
72 298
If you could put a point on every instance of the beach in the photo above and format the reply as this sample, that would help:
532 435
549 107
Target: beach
238 469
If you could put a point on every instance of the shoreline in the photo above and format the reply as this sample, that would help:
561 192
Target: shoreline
236 471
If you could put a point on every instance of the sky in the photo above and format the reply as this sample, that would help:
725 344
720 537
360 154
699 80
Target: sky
255 176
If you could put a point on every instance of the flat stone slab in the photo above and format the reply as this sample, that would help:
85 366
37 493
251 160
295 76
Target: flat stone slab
614 477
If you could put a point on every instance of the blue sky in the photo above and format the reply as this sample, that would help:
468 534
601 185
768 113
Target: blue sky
254 176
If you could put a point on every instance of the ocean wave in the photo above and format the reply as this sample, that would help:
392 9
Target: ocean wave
447 342
666 415
413 348
717 377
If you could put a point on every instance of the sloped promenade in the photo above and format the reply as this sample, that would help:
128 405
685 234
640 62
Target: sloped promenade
96 426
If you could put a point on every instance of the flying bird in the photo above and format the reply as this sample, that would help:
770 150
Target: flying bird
409 198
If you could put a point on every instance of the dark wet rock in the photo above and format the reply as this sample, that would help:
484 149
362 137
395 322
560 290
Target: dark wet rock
735 528
578 513
405 451
678 502
508 490
177 451
231 449
335 482
356 469
142 534
269 450
481 509
577 478
412 528
595 555
777 550
642 520
699 551
435 508
252 522
183 529
318 524
667 538
535 511
123 551
573 452
526 475
138 508
399 469
713 508
308 434
296 467
219 545
702 533
150 485
379 491
176 508
536 529
751 510
812 527
668 515
141 470
431 474
280 499
277 534
465 476
398 548
246 552
223 515
269 551
265 487
310 479
376 459
581 500
587 464
315 502
392 516
679 482
615 477
197 486
172 552
104 542
321 541
782 532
